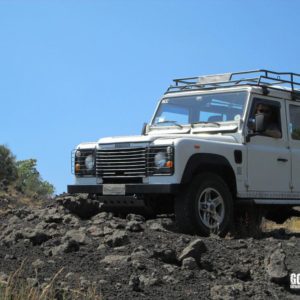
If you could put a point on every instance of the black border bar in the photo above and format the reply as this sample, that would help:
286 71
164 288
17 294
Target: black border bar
129 189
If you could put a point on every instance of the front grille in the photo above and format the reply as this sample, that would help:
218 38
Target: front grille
125 162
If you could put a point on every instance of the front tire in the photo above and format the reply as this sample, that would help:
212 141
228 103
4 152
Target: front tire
205 207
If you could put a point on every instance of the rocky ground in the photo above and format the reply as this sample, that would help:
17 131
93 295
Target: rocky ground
134 258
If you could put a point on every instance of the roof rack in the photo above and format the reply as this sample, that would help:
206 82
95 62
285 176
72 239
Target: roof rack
264 78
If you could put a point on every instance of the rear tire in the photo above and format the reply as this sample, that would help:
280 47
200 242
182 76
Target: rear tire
205 207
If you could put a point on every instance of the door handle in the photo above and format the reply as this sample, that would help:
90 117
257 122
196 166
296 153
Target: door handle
282 159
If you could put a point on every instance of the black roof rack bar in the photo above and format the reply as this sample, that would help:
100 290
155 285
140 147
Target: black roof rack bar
260 77
278 81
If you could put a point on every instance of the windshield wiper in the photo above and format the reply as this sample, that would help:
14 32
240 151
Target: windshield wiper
203 122
169 121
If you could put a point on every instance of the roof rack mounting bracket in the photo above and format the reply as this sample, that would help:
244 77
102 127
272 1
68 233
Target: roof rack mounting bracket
265 90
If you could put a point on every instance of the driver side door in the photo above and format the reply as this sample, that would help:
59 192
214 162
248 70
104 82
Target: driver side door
269 158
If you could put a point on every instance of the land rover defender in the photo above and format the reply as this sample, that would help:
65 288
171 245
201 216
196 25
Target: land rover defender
209 147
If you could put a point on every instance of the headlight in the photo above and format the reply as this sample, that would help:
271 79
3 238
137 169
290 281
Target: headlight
160 159
89 162
84 162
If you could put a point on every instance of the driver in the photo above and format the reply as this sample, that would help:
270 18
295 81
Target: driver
271 125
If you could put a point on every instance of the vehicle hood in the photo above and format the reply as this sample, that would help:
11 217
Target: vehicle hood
166 138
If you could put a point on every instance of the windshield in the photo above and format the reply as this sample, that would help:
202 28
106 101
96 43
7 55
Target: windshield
209 108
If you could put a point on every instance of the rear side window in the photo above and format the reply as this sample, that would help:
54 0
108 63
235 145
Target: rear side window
295 122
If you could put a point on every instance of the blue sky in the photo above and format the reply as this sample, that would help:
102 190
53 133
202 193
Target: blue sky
73 71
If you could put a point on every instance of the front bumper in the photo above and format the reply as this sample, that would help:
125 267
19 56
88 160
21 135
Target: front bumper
129 189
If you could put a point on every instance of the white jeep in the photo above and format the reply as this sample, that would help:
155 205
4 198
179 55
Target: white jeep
214 142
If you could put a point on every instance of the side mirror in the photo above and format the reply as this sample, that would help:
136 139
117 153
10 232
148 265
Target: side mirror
251 124
259 122
256 125
144 129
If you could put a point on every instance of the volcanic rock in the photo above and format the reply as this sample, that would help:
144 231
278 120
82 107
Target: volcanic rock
194 249
118 238
115 259
133 264
228 292
165 255
189 263
67 247
36 236
134 226
276 267
77 235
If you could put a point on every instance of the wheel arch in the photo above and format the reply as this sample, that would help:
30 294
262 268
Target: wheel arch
214 163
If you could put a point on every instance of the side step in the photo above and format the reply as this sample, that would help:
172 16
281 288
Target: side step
292 202
277 201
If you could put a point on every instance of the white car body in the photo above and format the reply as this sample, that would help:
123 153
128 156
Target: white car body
264 170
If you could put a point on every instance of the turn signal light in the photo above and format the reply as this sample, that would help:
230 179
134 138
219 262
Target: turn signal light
77 167
169 164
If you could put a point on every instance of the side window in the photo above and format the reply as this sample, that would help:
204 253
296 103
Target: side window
272 119
295 122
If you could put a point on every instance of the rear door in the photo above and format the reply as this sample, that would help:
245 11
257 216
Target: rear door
293 115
